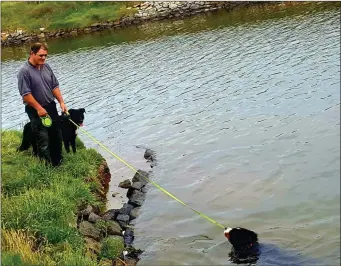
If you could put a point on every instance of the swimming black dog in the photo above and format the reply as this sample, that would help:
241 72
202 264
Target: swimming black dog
247 250
67 127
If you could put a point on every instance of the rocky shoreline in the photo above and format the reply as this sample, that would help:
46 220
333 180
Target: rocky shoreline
147 11
115 224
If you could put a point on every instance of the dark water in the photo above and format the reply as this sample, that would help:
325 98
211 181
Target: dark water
243 111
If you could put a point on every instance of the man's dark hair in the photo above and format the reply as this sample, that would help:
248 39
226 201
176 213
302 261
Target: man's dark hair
37 46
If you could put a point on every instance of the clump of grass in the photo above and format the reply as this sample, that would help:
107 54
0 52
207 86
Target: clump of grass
39 205
18 247
112 247
54 15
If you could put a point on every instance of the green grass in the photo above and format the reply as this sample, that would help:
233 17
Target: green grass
55 15
39 205
111 247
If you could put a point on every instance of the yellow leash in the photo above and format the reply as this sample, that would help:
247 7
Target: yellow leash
152 182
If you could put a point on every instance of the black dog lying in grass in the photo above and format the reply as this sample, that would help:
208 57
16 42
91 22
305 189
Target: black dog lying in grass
68 131
246 250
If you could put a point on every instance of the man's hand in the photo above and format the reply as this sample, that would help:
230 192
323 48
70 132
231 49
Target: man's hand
63 107
41 112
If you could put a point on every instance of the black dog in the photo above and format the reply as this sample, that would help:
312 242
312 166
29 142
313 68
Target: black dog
67 127
247 250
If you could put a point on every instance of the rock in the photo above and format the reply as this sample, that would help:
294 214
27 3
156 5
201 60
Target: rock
95 25
137 198
114 228
144 189
172 6
125 184
93 218
130 192
92 245
74 33
86 212
110 214
140 177
134 213
123 220
115 194
128 236
137 185
126 209
89 230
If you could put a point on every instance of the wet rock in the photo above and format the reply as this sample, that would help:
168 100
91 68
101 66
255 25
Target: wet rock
128 236
149 155
140 177
110 214
125 184
114 228
134 213
137 185
126 209
130 192
93 218
123 220
137 198
89 230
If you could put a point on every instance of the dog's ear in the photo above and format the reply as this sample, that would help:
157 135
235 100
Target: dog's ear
82 110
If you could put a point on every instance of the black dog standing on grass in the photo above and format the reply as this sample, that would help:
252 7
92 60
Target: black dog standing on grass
246 250
68 132
69 129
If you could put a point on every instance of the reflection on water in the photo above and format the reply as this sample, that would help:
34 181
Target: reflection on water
244 118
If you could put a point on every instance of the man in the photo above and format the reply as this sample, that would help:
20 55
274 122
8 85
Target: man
39 88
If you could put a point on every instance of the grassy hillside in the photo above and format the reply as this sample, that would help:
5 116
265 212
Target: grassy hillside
40 205
54 15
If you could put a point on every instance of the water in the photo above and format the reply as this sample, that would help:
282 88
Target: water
243 111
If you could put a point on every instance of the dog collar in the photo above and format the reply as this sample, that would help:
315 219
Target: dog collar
46 121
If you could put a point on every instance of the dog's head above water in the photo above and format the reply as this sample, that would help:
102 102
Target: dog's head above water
241 239
77 115
245 245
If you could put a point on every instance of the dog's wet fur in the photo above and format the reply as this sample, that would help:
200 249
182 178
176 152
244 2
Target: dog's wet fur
245 245
67 127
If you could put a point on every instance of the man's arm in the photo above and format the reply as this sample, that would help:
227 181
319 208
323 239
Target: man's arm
29 99
56 92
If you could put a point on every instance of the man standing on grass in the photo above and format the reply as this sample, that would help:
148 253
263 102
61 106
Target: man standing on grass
39 88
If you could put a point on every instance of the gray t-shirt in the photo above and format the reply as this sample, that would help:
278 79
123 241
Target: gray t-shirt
39 82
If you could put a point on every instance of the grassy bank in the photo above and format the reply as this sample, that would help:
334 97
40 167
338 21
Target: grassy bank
54 15
40 205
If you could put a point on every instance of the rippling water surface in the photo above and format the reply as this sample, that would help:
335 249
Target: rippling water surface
244 117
